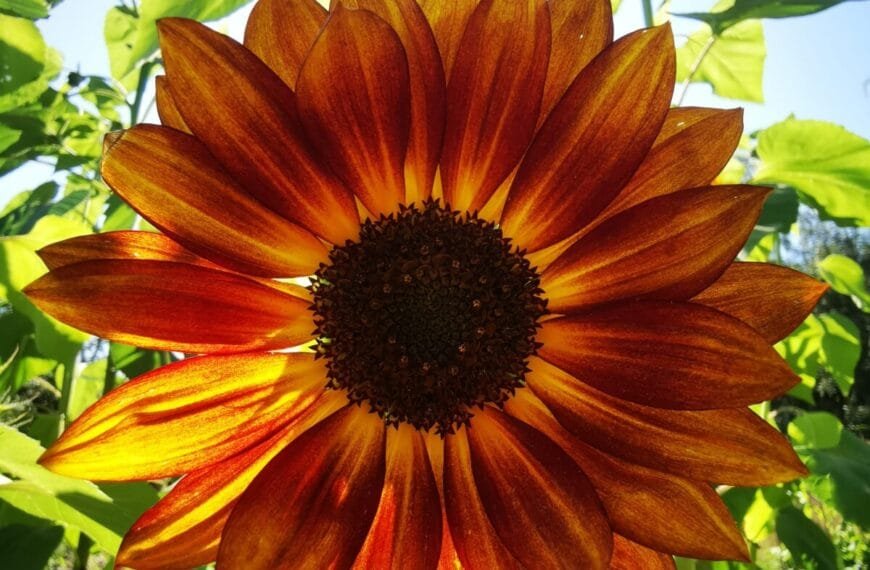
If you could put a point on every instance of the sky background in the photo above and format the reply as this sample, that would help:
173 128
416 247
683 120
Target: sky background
818 66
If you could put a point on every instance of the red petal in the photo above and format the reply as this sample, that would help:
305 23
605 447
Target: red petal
125 244
628 555
493 97
312 506
448 19
670 247
355 102
172 306
593 141
772 299
733 447
168 112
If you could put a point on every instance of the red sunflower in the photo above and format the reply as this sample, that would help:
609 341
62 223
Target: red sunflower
525 340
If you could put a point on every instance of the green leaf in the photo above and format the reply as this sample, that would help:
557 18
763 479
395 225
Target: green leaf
805 540
841 348
8 137
848 465
133 361
732 63
32 9
846 277
815 430
614 5
748 9
780 211
22 53
29 548
87 388
828 166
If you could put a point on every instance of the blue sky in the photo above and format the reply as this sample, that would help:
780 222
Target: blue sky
818 67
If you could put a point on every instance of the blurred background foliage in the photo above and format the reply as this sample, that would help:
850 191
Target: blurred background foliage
816 221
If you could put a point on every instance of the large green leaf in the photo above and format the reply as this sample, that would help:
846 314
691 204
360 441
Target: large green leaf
29 548
22 53
846 277
732 62
805 540
747 9
848 465
87 388
828 165
815 430
31 9
829 340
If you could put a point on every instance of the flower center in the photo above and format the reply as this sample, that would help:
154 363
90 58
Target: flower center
429 314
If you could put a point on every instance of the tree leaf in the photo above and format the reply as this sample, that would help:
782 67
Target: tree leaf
22 53
815 430
32 9
847 277
841 348
805 540
848 465
749 9
29 548
828 166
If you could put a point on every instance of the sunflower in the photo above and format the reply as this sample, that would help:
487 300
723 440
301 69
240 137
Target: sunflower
524 338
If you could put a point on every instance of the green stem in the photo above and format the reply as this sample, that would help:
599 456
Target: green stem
144 76
67 387
83 552
647 13
109 379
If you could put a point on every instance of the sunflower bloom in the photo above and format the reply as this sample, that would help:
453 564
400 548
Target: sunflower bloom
525 340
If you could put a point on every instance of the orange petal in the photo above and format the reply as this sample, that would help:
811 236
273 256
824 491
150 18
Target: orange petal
164 305
183 529
313 505
247 118
126 244
171 180
628 555
355 102
538 500
493 97
186 415
668 355
477 545
448 20
690 151
593 141
733 447
428 88
280 33
168 112
670 247
580 30
406 532
772 299
662 511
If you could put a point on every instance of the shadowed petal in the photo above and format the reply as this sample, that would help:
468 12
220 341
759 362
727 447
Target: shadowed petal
125 244
406 532
772 299
183 529
662 511
668 355
168 112
580 30
670 247
171 180
164 305
593 141
691 149
493 97
538 500
280 32
448 20
354 100
428 90
185 416
733 446
628 555
247 118
313 505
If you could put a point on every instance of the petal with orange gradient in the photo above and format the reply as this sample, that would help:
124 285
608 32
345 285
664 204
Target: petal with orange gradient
692 148
165 305
476 542
670 247
493 98
354 97
733 446
593 141
660 510
280 33
313 505
168 112
428 90
124 244
772 299
628 555
580 31
406 532
172 180
680 356
184 528
247 118
185 416
448 20
538 500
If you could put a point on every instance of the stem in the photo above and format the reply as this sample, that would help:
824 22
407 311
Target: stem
109 379
67 387
144 75
83 551
695 66
647 13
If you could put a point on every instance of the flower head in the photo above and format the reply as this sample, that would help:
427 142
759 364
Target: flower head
525 341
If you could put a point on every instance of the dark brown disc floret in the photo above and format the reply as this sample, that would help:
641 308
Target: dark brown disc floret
430 313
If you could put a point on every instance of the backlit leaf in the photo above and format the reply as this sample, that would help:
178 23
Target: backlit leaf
847 277
748 9
805 540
